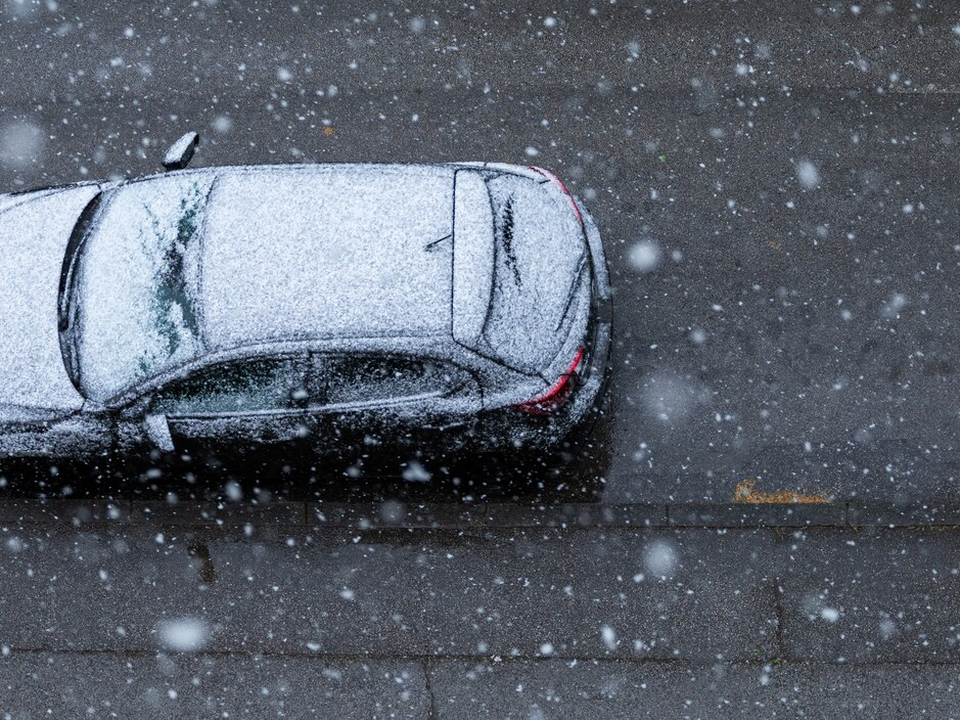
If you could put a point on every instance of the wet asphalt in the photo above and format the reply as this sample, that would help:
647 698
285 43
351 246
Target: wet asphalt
799 334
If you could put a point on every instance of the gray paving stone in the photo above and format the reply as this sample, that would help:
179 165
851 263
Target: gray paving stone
34 685
872 596
637 515
75 512
755 515
556 690
89 589
903 514
603 592
222 513
578 593
393 513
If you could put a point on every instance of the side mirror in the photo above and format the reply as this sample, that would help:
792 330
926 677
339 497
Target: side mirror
180 153
158 430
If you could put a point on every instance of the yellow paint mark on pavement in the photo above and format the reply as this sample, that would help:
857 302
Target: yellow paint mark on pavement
746 492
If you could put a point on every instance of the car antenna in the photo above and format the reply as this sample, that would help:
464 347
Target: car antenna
178 155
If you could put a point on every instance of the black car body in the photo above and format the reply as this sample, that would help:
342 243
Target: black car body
330 305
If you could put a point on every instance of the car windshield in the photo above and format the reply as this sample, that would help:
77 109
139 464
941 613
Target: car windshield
133 287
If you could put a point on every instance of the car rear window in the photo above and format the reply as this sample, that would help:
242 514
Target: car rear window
539 253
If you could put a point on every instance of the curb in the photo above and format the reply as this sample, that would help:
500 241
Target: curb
393 514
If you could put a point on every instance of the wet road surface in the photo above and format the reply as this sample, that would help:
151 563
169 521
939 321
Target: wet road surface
777 190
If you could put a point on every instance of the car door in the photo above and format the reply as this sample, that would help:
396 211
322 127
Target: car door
28 432
247 402
368 400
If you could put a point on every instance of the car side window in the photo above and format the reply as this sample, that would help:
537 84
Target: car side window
338 379
243 386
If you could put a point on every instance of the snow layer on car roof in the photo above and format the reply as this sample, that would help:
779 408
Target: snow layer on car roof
327 251
33 236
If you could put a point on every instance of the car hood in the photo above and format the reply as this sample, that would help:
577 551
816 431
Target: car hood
34 231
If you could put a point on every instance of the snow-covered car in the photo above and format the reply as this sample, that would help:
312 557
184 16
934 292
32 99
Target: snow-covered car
321 305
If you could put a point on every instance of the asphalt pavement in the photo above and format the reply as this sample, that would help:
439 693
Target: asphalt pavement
777 189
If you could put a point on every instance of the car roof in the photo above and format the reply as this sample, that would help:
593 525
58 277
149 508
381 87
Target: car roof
291 252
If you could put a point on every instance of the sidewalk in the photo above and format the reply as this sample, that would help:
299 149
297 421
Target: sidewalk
495 611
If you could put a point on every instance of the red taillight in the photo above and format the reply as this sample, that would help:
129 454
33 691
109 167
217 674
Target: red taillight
556 395
563 188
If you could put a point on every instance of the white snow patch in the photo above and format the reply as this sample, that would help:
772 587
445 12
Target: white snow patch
808 175
415 472
831 615
660 559
536 713
222 124
893 306
21 143
233 491
609 637
14 544
644 256
765 675
22 9
888 628
185 634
